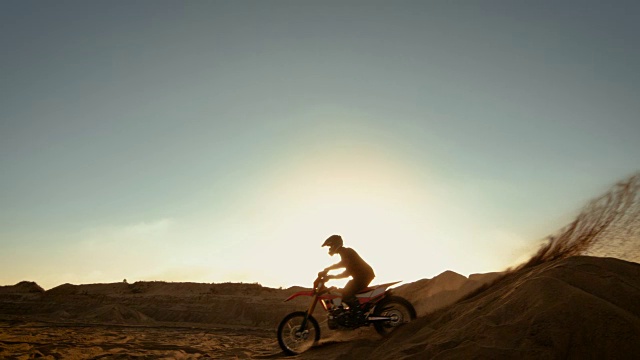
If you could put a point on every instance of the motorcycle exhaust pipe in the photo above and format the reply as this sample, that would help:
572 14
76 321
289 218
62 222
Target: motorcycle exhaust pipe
379 318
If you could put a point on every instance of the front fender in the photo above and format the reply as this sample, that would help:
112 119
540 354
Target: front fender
300 293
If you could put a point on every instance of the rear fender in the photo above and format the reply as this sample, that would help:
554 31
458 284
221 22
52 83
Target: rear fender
372 300
300 293
375 293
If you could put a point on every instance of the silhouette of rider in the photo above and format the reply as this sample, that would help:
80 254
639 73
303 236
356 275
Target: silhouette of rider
360 272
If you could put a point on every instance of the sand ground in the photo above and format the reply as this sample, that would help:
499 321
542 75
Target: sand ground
49 340
27 340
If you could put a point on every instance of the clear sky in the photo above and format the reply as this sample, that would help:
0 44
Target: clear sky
216 141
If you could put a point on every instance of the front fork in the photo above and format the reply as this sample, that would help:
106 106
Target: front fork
312 307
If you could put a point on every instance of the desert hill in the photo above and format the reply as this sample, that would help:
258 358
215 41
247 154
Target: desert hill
148 302
23 287
578 307
229 304
428 295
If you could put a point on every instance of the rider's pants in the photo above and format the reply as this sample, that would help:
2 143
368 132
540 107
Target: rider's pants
354 285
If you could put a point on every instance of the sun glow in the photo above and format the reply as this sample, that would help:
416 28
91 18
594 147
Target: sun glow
375 202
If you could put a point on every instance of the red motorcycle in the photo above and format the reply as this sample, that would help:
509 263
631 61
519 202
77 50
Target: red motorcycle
299 330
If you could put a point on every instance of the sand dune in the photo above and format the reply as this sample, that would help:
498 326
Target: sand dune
580 307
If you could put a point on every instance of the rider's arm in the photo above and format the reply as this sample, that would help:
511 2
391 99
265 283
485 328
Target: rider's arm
342 275
339 265
334 266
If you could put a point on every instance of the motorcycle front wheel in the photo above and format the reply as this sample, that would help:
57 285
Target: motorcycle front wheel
398 309
293 339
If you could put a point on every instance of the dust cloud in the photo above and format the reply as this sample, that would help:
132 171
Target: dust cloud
609 226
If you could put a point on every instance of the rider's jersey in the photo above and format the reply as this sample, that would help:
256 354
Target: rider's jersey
353 264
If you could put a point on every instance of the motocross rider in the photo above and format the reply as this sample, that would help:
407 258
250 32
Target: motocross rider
360 272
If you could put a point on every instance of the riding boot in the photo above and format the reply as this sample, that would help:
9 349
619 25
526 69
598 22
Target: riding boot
355 312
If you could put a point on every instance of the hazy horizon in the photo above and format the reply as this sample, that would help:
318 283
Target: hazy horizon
224 141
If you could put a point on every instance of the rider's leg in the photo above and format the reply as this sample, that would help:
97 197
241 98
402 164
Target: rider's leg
351 289
349 292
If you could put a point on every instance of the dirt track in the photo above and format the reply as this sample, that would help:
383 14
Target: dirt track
23 340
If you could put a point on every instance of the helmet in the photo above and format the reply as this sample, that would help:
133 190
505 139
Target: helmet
334 242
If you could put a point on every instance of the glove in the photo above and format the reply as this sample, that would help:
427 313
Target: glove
322 273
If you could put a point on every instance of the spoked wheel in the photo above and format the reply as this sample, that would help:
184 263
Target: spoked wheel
398 309
292 338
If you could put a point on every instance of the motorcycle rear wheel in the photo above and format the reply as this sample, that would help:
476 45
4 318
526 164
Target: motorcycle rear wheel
399 309
292 339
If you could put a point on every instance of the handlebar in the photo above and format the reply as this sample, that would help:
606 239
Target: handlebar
318 283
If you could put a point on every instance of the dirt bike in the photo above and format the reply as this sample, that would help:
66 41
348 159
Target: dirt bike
299 330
